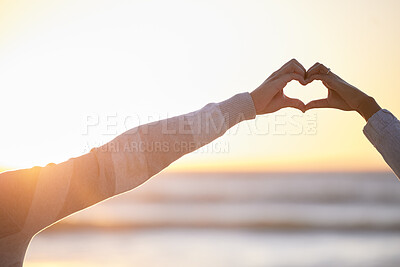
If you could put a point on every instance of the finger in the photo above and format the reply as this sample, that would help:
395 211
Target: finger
302 67
320 103
292 76
287 63
296 62
313 68
280 69
292 66
310 70
294 103
317 68
320 77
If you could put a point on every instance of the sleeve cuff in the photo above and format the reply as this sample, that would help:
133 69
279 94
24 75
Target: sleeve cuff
377 124
238 108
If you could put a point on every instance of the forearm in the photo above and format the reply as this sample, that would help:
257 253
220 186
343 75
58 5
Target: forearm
383 131
142 152
58 190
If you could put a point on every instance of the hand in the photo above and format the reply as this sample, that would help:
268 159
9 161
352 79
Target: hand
269 96
341 95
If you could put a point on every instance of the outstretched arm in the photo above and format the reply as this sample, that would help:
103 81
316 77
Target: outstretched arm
382 128
35 198
38 197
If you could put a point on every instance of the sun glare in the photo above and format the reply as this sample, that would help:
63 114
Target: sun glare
65 64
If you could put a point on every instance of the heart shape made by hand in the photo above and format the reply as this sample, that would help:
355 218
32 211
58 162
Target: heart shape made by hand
312 91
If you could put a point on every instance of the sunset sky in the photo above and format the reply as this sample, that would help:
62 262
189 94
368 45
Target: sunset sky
66 64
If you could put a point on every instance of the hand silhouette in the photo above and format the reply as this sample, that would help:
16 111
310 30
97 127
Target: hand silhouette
341 95
269 96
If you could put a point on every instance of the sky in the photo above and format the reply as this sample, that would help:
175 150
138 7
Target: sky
75 74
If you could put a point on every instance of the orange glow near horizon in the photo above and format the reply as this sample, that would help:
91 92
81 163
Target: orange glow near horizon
62 62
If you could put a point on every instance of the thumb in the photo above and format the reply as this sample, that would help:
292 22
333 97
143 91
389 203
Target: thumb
320 103
294 103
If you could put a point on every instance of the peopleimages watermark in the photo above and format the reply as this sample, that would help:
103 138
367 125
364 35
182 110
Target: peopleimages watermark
161 147
273 124
158 134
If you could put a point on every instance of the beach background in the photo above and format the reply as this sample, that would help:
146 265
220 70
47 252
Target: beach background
234 219
285 189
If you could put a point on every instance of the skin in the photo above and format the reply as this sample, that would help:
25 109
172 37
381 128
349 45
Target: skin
341 95
269 96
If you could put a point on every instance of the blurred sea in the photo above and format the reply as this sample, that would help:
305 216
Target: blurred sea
234 219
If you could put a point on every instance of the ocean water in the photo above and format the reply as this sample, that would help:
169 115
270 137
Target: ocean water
234 219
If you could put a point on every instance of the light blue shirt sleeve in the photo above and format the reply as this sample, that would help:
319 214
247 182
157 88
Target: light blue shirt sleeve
383 131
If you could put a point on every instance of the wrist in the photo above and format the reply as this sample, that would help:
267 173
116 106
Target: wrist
368 107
